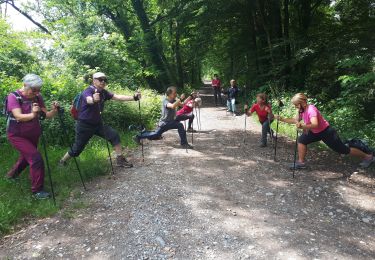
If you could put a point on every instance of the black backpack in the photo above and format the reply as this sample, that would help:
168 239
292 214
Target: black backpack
359 144
4 110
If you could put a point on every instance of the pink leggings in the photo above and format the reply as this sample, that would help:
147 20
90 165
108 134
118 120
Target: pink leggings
29 156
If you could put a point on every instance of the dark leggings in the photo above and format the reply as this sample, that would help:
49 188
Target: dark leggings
329 136
85 131
186 117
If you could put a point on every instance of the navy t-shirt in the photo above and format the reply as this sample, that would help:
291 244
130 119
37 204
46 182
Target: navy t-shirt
90 113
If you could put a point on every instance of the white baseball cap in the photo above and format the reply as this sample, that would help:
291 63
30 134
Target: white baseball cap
98 75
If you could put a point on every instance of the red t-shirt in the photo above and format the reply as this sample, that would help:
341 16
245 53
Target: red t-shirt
186 109
216 83
262 113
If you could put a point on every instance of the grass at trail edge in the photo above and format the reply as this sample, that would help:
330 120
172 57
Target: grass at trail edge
16 201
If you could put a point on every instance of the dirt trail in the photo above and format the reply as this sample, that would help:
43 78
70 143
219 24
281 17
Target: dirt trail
222 200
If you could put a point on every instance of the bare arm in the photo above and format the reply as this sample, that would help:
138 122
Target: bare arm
174 105
247 110
117 97
17 113
187 100
50 114
288 120
314 124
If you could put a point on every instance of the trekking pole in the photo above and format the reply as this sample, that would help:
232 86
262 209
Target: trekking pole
106 141
296 146
196 115
295 154
192 124
141 126
192 131
281 104
270 129
42 116
200 122
244 137
62 124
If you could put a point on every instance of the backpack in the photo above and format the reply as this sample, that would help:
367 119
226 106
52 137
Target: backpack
359 144
76 106
4 110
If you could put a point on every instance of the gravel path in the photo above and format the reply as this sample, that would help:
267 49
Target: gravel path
225 199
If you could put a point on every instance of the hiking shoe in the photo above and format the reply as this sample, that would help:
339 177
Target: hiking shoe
367 163
262 145
62 163
187 146
299 166
137 140
41 195
122 162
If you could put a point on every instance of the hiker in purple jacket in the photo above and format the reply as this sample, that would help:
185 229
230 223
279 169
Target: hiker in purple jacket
23 131
90 121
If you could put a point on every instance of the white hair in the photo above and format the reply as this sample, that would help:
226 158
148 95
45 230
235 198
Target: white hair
32 81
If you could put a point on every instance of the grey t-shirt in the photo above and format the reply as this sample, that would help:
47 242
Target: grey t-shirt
167 114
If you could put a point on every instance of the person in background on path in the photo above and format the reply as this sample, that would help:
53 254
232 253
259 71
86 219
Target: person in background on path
216 85
316 128
232 93
265 116
23 130
90 120
186 112
168 120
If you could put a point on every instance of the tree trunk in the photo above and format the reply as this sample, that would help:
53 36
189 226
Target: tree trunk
254 40
177 50
267 32
288 51
153 46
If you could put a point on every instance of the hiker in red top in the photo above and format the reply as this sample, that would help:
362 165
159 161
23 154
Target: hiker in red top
23 130
216 85
186 112
265 116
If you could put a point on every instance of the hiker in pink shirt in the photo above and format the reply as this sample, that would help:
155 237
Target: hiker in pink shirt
316 128
216 85
23 130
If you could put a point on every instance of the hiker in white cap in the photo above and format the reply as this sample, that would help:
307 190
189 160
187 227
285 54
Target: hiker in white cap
90 122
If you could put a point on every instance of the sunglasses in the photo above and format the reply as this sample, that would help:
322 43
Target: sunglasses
103 80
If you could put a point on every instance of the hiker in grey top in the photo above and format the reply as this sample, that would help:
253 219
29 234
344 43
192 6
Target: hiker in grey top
167 120
167 114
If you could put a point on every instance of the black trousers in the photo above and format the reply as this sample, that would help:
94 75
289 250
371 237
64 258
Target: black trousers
329 136
186 117
85 131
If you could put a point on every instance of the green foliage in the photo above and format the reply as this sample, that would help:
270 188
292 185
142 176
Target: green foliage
15 57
